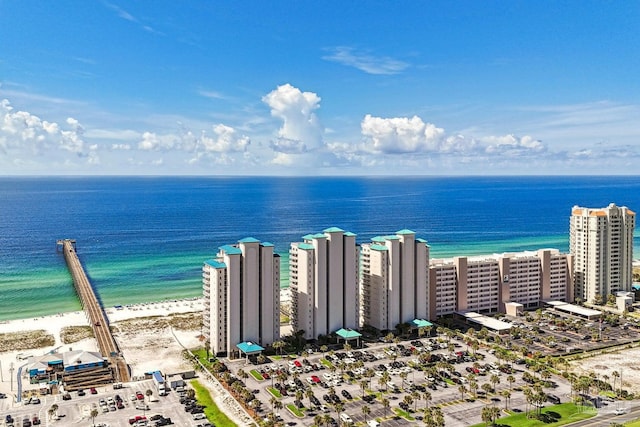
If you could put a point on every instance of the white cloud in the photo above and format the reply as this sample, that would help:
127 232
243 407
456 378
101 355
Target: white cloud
22 132
366 62
400 135
225 140
511 145
301 130
283 159
154 142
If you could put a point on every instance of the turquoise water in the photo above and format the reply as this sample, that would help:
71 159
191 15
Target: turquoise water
145 239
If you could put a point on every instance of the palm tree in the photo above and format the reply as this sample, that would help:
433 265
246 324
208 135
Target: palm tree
616 376
323 349
53 410
495 380
366 411
463 390
339 407
273 401
416 396
507 395
486 415
318 420
327 419
385 405
309 394
510 380
278 345
148 393
426 396
93 415
408 400
278 405
363 386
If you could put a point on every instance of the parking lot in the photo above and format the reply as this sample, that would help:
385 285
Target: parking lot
135 408
393 381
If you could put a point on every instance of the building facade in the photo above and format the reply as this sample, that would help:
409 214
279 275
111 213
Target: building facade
242 296
485 283
323 278
394 280
601 242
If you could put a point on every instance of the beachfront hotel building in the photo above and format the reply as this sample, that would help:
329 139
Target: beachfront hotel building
485 283
394 280
242 296
601 242
323 278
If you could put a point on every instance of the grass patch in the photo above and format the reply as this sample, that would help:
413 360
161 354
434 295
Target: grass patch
257 375
295 411
403 414
284 319
24 340
71 334
633 424
274 392
557 415
326 363
211 411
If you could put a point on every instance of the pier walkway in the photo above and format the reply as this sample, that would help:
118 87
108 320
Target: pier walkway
95 314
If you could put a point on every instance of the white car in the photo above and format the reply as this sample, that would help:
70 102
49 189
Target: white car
199 416
620 411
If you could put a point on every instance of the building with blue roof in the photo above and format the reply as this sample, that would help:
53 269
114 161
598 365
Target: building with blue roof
241 288
323 278
394 280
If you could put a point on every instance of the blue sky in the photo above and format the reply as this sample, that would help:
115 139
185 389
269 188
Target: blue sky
319 88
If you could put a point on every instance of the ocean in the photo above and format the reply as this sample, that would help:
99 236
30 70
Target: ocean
145 239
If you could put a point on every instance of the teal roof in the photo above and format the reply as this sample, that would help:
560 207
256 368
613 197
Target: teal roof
231 250
319 236
405 231
421 323
379 247
249 240
391 238
215 263
308 237
306 246
267 244
421 240
348 333
249 347
350 234
334 230
378 239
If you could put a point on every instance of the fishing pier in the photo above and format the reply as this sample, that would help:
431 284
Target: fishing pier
94 311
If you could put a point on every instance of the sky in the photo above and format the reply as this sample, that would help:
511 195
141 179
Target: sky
153 87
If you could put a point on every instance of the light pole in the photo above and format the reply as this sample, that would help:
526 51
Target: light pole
11 372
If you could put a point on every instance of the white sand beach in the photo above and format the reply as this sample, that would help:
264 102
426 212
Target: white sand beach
147 344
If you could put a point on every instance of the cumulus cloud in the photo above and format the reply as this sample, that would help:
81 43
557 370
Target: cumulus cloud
301 130
225 140
23 131
511 145
366 62
403 135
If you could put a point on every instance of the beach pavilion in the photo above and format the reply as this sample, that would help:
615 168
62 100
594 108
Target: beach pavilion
249 348
348 335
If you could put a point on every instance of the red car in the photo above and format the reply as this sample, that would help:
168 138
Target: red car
139 396
298 364
93 390
315 379
137 418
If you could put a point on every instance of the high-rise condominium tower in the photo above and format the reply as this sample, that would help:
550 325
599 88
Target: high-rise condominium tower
394 280
323 277
601 242
242 296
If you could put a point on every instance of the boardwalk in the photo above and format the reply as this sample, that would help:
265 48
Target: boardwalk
95 314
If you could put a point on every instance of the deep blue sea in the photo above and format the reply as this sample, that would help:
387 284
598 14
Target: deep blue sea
145 239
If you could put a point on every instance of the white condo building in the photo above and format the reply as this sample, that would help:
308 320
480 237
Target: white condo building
601 242
323 278
242 296
394 280
484 283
